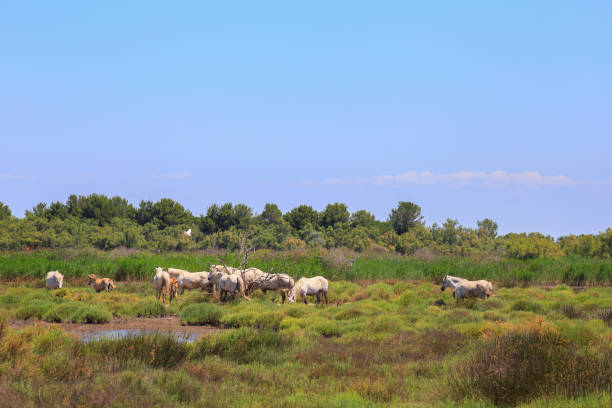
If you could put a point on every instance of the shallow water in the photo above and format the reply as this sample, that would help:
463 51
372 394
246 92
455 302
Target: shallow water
181 337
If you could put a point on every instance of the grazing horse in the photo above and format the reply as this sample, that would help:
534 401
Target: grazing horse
175 273
54 280
161 282
275 281
316 286
173 288
466 289
100 284
193 280
231 283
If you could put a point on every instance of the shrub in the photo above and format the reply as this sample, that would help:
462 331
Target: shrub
150 308
94 314
32 310
201 313
523 364
78 312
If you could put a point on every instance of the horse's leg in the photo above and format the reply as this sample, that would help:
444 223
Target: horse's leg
325 295
304 299
283 296
318 297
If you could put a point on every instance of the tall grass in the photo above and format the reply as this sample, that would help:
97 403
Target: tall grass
333 265
155 350
520 365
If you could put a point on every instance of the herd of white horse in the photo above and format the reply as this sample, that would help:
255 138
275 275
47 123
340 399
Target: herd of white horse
229 280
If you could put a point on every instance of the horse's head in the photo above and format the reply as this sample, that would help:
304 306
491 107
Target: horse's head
445 283
291 297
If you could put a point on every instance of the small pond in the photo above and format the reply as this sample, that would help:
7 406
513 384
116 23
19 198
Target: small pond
181 337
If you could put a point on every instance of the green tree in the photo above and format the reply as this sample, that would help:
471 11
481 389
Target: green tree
362 218
487 228
405 216
302 216
163 213
5 211
271 214
242 215
336 213
222 217
168 212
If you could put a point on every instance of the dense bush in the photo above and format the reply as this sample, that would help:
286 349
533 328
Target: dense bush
201 313
151 308
78 312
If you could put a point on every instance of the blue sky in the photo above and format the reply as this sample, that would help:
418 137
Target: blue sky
470 109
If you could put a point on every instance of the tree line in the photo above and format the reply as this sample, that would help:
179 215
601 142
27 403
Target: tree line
105 222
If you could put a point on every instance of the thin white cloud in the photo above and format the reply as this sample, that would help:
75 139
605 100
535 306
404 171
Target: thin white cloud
172 176
6 176
532 178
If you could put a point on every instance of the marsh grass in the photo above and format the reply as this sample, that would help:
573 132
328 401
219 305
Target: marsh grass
338 264
385 343
243 345
531 362
154 350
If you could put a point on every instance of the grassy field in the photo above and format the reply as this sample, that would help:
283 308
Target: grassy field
333 264
378 344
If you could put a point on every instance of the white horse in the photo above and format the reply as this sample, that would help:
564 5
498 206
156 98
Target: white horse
465 288
316 286
161 282
193 280
175 273
231 283
248 275
275 281
54 280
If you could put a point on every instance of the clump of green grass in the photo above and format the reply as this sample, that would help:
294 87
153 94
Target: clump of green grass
201 313
151 308
78 312
524 364
34 309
